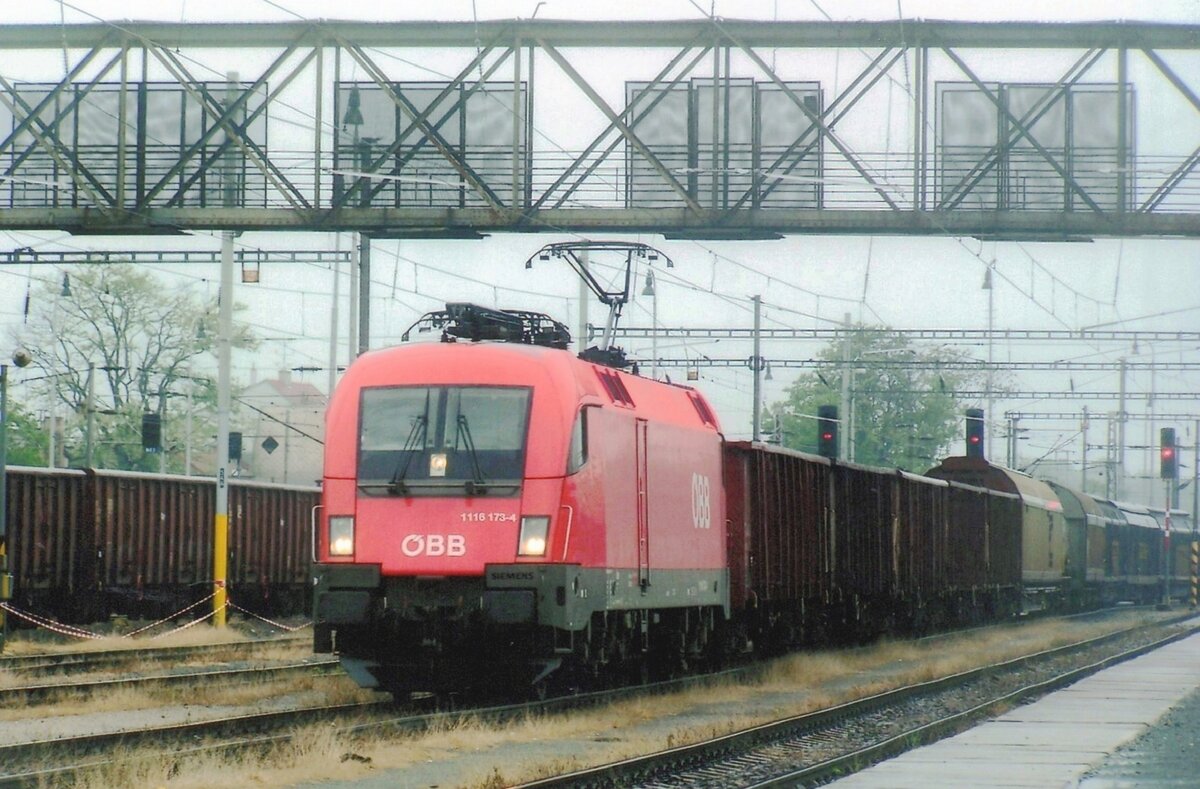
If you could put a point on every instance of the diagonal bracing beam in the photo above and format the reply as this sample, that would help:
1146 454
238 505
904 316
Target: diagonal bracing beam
465 171
224 119
615 119
229 141
997 152
76 100
1025 132
1189 164
876 73
422 118
83 178
816 120
626 117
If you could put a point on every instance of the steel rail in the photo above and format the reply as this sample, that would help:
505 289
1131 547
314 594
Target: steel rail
660 765
22 761
952 724
32 693
57 751
93 660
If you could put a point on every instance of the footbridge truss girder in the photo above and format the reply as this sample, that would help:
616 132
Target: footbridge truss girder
703 129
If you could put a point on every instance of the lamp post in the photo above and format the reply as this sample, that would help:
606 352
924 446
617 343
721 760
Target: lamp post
20 359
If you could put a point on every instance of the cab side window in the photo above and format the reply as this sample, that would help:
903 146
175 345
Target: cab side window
578 454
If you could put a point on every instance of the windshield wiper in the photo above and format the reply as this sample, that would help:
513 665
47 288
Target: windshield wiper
416 437
477 484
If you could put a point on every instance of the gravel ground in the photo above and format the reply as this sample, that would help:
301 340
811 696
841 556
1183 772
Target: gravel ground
1168 755
453 766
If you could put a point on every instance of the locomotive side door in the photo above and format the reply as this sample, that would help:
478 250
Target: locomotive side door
643 504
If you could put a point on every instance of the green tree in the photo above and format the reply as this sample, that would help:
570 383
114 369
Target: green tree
27 438
904 415
142 342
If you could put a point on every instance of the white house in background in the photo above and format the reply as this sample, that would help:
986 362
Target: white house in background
282 422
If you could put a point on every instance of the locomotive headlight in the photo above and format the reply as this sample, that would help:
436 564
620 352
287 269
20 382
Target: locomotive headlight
341 535
437 464
532 541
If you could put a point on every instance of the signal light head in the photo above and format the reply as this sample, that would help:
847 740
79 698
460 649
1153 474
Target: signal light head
975 432
1168 468
827 426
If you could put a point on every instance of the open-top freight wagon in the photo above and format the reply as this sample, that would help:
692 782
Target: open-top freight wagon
84 544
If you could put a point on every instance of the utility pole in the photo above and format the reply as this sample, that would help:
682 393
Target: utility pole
6 577
224 363
1195 514
364 295
584 295
756 411
333 318
1119 482
1083 430
847 412
989 286
89 444
352 318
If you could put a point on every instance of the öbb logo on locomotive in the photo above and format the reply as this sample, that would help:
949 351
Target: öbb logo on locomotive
701 501
434 545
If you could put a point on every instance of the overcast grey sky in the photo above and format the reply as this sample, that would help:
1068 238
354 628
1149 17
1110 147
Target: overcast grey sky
806 281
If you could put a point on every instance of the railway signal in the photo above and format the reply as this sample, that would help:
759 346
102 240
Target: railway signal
827 431
1168 467
151 433
975 432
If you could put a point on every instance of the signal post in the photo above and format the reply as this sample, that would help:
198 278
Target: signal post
1168 470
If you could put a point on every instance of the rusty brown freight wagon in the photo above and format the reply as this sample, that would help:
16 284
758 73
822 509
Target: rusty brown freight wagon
84 544
822 550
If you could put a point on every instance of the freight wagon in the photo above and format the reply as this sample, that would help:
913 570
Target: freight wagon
84 544
823 551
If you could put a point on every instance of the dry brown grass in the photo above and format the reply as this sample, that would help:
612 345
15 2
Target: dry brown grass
789 686
312 690
36 642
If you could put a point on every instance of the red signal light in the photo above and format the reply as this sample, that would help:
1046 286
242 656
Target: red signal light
827 427
1166 454
975 433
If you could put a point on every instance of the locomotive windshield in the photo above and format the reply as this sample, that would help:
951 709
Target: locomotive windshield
443 440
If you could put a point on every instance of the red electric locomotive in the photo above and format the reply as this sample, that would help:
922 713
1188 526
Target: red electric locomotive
505 511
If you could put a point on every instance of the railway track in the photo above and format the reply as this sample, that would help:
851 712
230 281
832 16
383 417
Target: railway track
31 694
813 748
99 660
24 765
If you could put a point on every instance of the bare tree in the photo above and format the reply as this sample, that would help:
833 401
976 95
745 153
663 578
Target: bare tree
141 340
